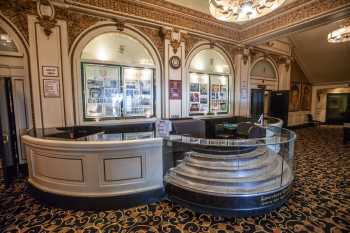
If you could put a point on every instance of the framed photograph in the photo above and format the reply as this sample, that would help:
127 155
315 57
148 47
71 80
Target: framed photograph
51 88
194 87
50 71
175 89
194 97
204 89
203 100
194 108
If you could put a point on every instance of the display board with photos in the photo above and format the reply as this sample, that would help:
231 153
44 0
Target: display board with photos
208 94
199 90
138 91
112 91
102 91
218 94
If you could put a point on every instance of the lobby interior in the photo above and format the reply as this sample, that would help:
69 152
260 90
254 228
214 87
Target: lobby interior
174 116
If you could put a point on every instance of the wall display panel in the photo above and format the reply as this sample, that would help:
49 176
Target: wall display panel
208 94
138 92
199 93
102 91
113 92
219 94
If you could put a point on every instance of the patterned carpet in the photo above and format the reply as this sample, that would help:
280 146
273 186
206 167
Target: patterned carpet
320 203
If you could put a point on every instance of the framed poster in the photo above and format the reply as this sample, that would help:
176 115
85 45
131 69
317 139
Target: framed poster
50 71
175 90
51 88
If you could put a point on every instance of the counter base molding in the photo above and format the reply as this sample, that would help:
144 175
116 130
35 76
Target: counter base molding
95 174
96 203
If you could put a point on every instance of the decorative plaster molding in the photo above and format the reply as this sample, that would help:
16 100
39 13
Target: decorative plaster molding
80 14
46 15
300 12
154 35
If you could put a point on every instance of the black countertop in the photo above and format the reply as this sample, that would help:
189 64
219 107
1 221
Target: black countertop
95 133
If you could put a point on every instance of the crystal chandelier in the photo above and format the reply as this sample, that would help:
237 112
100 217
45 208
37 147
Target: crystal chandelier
340 35
242 10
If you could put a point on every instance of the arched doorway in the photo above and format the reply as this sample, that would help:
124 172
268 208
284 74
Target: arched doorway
116 77
15 99
263 80
210 81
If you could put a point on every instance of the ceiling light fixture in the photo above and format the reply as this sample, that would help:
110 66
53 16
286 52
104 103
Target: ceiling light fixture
242 10
340 35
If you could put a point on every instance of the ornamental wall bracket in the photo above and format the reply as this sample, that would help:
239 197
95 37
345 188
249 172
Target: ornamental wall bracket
175 36
212 44
46 15
245 55
120 25
286 61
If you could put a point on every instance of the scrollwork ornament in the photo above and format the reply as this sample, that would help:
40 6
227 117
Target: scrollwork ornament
46 18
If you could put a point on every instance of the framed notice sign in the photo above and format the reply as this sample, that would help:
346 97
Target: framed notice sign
51 88
175 89
50 71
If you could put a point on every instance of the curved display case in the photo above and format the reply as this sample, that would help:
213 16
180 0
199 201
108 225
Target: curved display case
241 177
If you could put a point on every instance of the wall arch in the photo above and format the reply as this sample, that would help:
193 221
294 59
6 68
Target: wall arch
91 33
197 48
271 83
17 67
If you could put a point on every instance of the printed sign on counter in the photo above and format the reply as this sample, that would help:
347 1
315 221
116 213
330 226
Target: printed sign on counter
163 128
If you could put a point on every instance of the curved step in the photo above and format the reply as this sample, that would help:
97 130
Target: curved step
204 178
249 155
233 189
230 172
233 164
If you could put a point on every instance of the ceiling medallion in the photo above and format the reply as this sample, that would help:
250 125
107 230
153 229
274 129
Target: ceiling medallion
242 10
340 35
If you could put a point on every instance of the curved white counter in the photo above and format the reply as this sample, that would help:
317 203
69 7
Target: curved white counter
95 169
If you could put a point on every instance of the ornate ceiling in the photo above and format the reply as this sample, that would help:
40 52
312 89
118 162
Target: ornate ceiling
203 5
322 62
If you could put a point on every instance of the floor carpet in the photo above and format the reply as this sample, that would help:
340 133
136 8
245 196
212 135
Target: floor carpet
320 202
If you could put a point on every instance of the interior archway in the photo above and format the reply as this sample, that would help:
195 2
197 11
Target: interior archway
210 81
129 64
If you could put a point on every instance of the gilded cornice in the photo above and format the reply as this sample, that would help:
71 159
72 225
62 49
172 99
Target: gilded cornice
162 12
81 14
300 12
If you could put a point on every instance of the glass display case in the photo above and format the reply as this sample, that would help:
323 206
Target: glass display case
102 92
138 94
208 94
240 177
112 91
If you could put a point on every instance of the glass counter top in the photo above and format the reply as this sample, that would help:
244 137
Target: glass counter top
95 134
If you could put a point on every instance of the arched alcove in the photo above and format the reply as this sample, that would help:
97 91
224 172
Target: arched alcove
210 81
263 80
264 69
14 71
115 75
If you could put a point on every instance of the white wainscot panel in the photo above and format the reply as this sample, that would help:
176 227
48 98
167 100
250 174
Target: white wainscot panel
127 168
47 166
